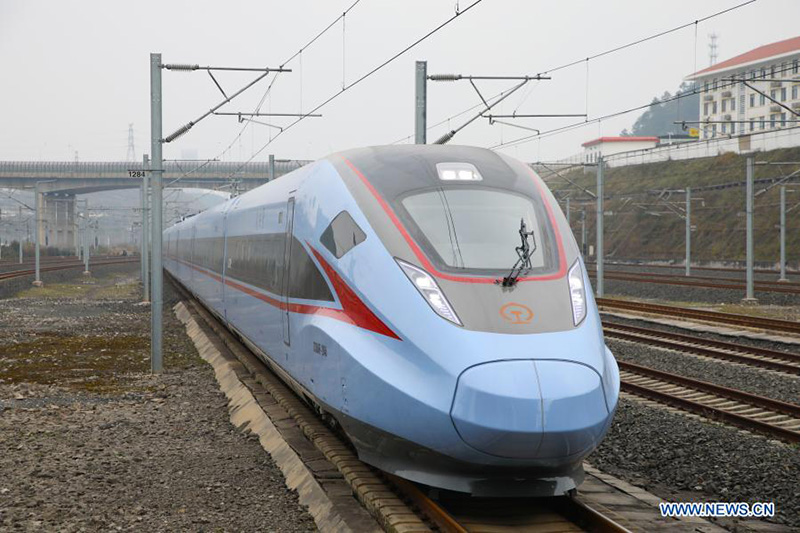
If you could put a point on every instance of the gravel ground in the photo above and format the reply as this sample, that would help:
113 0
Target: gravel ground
679 271
7 266
691 294
677 293
91 440
746 341
13 286
765 383
684 459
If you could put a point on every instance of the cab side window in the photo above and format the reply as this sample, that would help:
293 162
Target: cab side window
342 235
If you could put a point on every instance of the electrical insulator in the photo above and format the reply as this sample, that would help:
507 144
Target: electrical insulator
182 67
446 137
180 131
444 77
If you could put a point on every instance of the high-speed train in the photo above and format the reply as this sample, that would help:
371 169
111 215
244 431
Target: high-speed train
429 299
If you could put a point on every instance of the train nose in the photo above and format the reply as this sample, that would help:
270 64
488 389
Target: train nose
530 409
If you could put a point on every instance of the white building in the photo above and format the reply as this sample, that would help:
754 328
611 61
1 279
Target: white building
730 108
607 146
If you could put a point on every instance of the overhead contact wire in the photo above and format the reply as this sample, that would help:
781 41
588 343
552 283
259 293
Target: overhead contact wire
362 78
617 49
269 89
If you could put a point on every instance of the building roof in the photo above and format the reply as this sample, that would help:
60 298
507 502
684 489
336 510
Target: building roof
756 54
619 140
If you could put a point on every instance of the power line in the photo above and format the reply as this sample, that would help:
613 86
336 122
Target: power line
23 204
575 125
362 78
612 51
291 58
267 92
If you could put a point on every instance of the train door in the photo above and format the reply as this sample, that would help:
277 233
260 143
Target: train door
287 254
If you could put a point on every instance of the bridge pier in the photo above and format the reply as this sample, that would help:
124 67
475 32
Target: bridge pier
58 220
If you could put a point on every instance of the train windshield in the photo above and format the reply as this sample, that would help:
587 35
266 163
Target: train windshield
477 229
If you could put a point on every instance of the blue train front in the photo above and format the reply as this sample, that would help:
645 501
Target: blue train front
371 281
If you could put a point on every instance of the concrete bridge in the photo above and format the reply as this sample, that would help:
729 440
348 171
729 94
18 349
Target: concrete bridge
85 177
59 182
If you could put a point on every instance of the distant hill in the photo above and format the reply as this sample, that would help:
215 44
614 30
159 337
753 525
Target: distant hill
659 118
644 219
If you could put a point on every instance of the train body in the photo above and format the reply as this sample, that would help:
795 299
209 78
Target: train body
370 281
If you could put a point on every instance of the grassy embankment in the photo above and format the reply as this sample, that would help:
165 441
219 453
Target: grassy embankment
641 226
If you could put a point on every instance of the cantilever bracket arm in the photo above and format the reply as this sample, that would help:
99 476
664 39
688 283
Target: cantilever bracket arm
493 121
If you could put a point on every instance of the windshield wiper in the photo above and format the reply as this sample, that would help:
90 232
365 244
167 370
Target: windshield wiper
524 252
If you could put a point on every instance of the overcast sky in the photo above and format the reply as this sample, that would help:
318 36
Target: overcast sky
74 75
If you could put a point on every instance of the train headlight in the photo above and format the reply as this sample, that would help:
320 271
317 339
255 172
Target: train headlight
429 290
577 293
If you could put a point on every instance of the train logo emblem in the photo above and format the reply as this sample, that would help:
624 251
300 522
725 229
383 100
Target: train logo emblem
516 313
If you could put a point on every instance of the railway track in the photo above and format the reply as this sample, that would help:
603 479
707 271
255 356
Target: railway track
454 513
700 282
681 267
451 513
52 260
43 258
749 411
7 266
761 283
748 355
770 324
31 271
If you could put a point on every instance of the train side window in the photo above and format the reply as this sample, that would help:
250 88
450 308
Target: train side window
342 235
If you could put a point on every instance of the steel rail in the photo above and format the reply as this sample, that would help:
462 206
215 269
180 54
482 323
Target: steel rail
432 510
13 262
772 324
650 275
571 509
738 353
719 390
586 515
669 280
739 408
681 267
15 266
30 272
456 513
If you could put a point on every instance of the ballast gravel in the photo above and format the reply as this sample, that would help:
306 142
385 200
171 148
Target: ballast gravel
786 347
14 285
679 293
755 381
680 271
129 450
685 459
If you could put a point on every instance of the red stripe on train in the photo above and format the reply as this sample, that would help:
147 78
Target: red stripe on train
354 311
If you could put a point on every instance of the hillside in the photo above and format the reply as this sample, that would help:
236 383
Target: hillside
644 208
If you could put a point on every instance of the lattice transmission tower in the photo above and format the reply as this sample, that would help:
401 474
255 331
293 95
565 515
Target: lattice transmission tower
712 49
131 151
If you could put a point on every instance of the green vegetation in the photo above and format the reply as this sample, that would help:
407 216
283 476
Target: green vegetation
660 117
57 290
644 214
86 359
109 286
91 363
